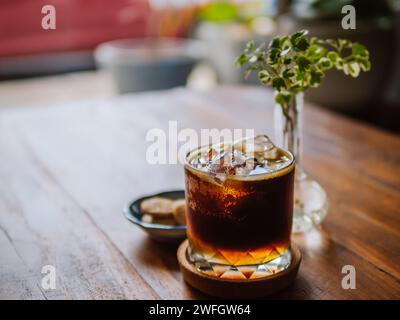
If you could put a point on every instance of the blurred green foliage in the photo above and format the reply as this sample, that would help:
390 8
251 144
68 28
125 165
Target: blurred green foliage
294 63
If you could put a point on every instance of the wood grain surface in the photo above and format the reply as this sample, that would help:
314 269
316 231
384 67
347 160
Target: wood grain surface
67 170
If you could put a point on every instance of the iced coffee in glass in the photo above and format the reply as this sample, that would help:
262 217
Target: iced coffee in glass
239 208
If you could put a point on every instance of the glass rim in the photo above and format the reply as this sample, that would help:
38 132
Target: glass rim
273 174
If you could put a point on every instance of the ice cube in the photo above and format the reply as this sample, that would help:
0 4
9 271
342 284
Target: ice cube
278 163
227 162
251 163
242 171
250 156
266 156
259 147
205 158
260 170
271 154
261 144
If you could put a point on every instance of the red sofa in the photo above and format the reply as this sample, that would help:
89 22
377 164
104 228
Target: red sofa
80 24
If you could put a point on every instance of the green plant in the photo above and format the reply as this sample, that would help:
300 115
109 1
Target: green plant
294 63
219 12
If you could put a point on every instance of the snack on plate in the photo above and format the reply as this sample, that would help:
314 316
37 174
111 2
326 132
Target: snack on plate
179 211
163 211
147 218
157 207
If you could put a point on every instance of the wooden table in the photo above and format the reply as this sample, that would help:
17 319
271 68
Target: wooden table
66 171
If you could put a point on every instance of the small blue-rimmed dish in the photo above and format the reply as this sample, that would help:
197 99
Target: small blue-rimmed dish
160 232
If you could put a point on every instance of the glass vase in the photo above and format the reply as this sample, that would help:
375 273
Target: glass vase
310 199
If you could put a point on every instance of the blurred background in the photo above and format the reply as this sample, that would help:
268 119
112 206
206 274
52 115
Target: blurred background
102 48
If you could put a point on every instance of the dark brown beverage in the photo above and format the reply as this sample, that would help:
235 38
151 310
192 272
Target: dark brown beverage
239 208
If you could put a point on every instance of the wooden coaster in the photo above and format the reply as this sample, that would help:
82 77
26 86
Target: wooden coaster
238 289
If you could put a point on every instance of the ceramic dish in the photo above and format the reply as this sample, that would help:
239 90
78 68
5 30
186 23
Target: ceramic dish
156 231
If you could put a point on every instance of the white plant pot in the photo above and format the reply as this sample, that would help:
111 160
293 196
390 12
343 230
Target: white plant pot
148 64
